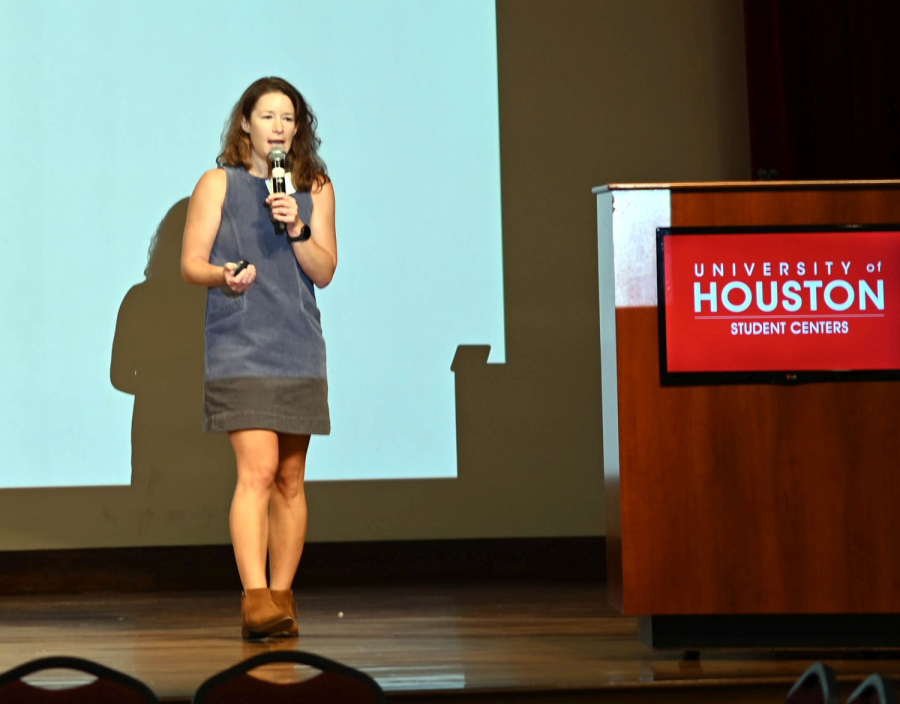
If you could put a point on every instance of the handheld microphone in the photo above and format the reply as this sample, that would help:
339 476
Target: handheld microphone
277 157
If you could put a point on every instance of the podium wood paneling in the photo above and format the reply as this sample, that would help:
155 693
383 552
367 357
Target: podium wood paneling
755 498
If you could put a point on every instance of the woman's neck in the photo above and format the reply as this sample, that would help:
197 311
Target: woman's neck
259 166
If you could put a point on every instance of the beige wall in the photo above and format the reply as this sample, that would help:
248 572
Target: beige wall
591 91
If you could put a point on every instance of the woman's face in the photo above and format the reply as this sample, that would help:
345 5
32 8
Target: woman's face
271 124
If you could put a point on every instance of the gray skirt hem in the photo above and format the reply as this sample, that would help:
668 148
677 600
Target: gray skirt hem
292 425
296 405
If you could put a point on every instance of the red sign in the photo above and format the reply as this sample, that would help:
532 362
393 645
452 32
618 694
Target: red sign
782 301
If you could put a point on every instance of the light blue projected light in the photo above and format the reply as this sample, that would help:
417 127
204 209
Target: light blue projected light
113 113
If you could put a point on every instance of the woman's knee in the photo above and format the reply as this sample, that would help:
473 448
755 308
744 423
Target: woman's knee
257 476
256 452
289 480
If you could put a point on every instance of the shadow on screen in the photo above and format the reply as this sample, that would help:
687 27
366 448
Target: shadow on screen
157 357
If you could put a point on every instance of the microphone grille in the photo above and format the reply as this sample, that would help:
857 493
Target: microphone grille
277 154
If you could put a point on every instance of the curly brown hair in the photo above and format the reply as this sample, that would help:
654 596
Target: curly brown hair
303 161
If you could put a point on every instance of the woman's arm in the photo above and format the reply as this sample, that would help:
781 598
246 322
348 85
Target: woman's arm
203 218
318 255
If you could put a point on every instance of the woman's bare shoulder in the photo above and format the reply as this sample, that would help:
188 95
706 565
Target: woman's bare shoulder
324 189
212 185
214 178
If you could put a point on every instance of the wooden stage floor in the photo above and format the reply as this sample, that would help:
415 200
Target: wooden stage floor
500 642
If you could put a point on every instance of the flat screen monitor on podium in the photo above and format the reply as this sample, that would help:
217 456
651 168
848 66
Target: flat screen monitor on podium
778 304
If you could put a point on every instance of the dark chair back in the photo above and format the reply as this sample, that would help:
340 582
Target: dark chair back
818 685
874 690
109 686
333 683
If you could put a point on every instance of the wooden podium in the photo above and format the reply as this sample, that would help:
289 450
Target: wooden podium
742 515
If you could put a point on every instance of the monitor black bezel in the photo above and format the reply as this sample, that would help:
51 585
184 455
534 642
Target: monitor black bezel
786 376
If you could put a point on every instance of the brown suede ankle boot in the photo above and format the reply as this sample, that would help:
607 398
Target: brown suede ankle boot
259 615
284 600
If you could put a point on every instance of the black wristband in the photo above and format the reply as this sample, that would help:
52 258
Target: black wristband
305 234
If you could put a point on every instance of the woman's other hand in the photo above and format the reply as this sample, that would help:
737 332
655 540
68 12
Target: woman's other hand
242 281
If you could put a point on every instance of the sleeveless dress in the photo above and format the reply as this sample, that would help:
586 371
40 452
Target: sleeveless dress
264 350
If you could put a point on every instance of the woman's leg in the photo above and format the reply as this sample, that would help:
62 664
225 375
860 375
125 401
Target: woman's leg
257 464
287 516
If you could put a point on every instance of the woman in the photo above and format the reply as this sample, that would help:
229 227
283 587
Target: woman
265 381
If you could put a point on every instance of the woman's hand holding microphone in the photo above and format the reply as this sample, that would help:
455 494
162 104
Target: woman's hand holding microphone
285 210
